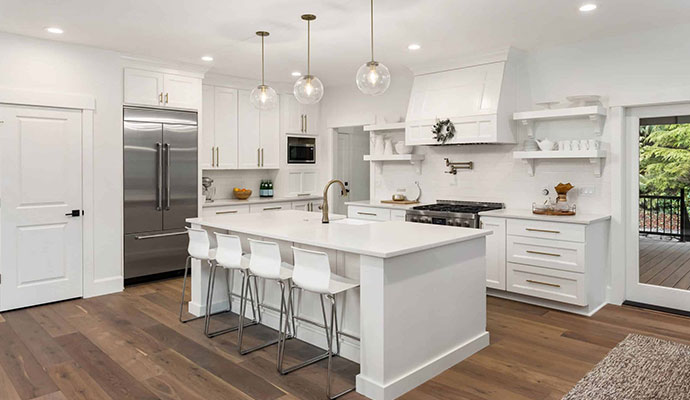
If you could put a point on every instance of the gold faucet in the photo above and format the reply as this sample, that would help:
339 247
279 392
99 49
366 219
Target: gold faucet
324 207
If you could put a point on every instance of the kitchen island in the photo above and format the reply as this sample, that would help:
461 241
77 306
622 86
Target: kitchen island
421 306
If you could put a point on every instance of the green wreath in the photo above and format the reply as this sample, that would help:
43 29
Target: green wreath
443 130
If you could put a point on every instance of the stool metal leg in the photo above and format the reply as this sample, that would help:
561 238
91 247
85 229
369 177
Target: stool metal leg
210 296
330 350
184 289
240 331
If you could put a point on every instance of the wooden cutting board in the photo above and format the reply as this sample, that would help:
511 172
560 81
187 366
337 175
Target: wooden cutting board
402 202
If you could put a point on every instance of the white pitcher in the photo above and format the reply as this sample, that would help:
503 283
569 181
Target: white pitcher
378 145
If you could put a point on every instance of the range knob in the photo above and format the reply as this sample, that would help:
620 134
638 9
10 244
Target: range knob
466 224
425 220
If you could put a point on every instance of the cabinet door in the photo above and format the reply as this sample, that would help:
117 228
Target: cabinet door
143 87
308 182
249 154
291 114
207 152
270 138
181 91
311 118
226 127
259 208
495 252
301 205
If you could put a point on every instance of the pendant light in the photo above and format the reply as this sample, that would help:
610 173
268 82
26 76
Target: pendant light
263 97
373 78
308 89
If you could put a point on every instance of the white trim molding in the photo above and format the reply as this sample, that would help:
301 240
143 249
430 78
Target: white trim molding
35 98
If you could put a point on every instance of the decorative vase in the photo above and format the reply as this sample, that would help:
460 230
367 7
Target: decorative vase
378 145
388 147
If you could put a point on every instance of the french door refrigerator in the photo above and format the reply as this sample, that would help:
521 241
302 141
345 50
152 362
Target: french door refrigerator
160 189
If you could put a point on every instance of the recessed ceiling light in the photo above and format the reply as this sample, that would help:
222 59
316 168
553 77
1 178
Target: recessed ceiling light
588 7
207 58
54 29
414 46
296 73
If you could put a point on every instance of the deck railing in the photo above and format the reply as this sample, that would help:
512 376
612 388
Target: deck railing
664 215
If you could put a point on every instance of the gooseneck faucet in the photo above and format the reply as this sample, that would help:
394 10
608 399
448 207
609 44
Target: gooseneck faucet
324 208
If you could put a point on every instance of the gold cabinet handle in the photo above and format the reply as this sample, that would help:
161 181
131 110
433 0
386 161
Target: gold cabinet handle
258 157
541 230
272 208
217 156
301 120
262 156
306 123
160 98
543 283
226 212
542 253
213 156
166 98
366 213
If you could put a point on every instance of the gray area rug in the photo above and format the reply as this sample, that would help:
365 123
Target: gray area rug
638 368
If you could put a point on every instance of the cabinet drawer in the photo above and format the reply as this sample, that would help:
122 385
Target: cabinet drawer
257 208
566 256
398 215
227 210
546 230
566 287
370 213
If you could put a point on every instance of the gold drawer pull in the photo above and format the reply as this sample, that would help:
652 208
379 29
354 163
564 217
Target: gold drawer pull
366 213
273 208
542 253
543 283
541 230
226 212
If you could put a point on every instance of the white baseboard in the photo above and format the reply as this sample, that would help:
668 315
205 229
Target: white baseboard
587 311
416 377
101 287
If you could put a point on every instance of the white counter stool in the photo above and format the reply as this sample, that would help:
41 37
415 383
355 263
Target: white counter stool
265 262
229 257
312 272
199 248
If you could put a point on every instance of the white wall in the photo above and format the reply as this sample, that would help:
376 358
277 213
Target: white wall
52 66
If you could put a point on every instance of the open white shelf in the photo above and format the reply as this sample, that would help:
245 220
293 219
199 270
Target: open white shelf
414 159
595 157
395 126
596 114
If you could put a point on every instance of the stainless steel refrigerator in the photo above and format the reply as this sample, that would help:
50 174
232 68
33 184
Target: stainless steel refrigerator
160 189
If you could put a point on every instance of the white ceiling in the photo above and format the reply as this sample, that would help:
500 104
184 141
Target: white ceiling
184 30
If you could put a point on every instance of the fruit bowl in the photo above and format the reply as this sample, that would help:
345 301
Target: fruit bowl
242 194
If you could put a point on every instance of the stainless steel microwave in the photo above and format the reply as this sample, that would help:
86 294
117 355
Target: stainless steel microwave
301 150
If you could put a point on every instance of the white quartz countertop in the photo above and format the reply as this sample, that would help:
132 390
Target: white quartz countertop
376 239
260 200
378 204
583 219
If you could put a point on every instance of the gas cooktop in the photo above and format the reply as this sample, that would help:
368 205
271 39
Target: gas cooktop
451 212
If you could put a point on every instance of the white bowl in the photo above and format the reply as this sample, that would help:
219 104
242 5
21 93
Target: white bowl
400 148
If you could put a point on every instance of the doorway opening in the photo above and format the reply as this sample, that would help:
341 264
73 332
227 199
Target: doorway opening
350 146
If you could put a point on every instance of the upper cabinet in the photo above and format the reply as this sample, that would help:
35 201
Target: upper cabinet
299 118
219 128
158 89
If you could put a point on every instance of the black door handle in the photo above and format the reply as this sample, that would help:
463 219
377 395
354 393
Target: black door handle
75 213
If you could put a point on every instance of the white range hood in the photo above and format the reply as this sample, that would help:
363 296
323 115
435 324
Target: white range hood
479 96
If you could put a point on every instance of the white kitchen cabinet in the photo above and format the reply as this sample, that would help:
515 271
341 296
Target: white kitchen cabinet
495 252
219 128
259 135
369 213
307 205
398 215
302 182
225 210
259 207
299 118
153 88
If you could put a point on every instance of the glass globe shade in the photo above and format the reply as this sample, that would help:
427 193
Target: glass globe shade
263 97
373 78
308 89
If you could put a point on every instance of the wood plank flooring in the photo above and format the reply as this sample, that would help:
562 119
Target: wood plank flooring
665 262
130 346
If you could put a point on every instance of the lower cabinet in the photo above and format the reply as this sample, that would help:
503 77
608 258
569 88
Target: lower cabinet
307 205
495 252
375 213
303 205
211 211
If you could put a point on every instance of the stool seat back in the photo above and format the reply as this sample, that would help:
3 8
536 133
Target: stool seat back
229 253
312 270
199 244
265 259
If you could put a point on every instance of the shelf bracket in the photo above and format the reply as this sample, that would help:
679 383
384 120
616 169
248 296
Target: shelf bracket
530 127
530 166
598 122
597 165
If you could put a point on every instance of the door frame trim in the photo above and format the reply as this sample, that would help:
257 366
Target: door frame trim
91 285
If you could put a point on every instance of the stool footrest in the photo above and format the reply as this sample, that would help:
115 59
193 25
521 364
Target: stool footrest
285 371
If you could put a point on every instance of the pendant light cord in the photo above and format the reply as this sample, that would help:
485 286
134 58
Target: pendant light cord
262 61
372 30
308 47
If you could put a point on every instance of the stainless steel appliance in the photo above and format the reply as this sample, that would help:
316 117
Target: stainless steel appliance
451 212
209 191
301 150
160 188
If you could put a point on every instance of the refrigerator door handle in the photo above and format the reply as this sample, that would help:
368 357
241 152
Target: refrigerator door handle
159 177
167 176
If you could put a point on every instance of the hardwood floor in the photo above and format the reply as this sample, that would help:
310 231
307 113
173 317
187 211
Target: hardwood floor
665 262
130 346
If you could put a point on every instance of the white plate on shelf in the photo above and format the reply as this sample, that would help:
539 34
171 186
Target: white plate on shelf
584 100
547 105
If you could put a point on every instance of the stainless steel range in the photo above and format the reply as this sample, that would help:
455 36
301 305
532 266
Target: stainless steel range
451 212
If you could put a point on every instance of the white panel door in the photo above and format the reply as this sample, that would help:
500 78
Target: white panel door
182 91
249 152
41 243
226 127
143 87
311 118
293 120
270 138
208 146
495 252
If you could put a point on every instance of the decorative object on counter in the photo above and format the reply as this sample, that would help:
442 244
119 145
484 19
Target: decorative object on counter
401 202
560 206
419 192
547 105
263 97
388 147
308 89
241 194
398 197
373 78
266 188
401 148
443 130
530 145
209 191
379 145
545 144
584 100
455 166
